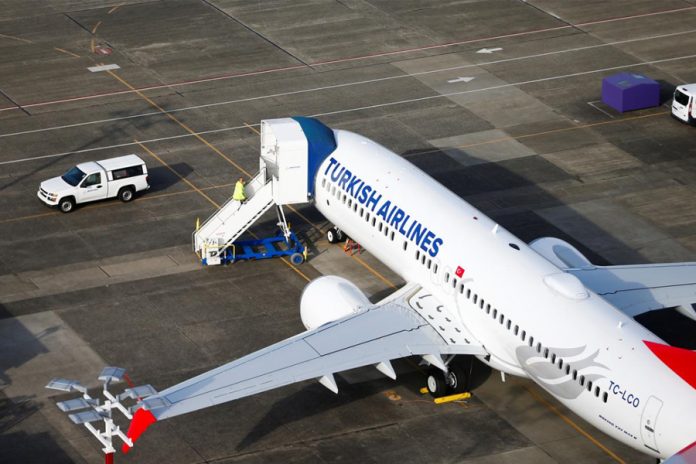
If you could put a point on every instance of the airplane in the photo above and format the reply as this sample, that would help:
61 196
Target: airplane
540 311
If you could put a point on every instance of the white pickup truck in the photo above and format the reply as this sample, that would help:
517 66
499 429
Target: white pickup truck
118 177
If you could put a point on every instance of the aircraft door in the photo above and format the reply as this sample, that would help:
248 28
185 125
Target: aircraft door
648 421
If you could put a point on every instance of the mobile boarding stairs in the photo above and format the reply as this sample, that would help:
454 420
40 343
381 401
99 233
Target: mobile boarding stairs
283 179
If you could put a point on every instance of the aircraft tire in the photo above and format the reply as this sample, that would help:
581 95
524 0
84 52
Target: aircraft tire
332 235
436 384
456 378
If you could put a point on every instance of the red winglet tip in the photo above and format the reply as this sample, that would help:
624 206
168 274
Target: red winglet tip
680 360
142 419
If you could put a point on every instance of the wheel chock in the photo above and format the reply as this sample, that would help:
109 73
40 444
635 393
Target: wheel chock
423 391
450 398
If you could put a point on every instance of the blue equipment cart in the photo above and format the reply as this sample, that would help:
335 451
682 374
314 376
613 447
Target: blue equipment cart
271 247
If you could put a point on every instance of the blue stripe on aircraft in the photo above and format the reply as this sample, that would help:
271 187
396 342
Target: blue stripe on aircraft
321 143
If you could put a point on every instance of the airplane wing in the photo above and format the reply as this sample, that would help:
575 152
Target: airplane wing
641 288
633 289
399 326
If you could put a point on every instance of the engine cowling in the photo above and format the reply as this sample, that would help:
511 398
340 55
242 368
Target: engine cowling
330 298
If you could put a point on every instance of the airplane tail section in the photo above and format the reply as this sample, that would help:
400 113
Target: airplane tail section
680 360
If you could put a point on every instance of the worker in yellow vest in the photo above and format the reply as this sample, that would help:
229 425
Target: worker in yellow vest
239 194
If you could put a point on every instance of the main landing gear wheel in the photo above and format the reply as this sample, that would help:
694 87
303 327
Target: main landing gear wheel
334 235
456 378
437 386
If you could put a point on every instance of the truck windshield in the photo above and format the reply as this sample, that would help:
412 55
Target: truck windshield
73 176
681 98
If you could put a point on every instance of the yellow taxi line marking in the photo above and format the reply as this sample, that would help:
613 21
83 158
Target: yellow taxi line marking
252 128
151 153
66 52
174 119
570 422
373 271
96 26
113 10
11 37
91 46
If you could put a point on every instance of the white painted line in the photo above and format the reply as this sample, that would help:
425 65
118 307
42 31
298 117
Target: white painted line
336 86
592 104
460 79
489 50
349 110
342 60
104 67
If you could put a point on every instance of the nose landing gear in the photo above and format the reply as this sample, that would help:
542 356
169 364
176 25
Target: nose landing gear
334 235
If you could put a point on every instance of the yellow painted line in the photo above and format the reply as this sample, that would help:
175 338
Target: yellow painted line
173 118
113 10
11 37
570 422
151 153
96 26
66 52
252 128
373 271
91 46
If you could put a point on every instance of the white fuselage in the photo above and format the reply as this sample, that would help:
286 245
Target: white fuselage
523 309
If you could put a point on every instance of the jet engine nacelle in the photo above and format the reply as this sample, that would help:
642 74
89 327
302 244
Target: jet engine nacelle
330 298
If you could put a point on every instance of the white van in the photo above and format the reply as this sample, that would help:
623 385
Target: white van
683 103
118 177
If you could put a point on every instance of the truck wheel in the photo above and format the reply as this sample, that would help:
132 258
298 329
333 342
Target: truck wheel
296 259
66 204
125 194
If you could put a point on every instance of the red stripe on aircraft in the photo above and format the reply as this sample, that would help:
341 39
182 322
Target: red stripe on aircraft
680 360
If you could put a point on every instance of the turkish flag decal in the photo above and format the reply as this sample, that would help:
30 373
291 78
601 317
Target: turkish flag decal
459 271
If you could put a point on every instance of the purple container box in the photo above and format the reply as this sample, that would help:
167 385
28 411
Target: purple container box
630 91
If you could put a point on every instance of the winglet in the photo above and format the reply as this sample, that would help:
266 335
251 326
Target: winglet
680 360
142 419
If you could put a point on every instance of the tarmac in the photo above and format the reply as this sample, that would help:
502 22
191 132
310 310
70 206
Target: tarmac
498 100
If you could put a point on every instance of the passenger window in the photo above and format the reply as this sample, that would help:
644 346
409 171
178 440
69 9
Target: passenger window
405 245
589 385
517 330
435 268
468 293
582 380
430 262
546 353
362 211
379 227
92 179
596 392
524 334
447 276
605 397
374 221
509 323
553 358
323 181
488 308
575 374
392 236
417 254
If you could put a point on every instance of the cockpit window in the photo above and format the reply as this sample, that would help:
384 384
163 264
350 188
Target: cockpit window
73 176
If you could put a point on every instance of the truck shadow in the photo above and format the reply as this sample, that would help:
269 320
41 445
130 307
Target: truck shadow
161 178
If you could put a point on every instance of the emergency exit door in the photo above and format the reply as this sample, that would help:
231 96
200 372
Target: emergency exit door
648 422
